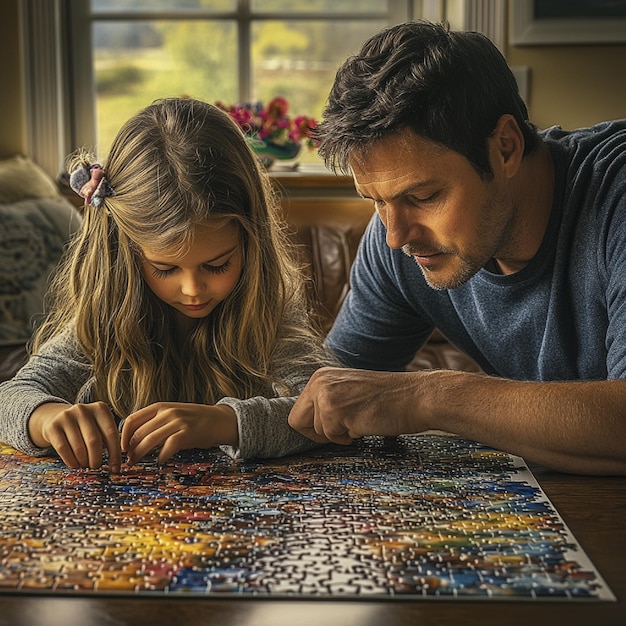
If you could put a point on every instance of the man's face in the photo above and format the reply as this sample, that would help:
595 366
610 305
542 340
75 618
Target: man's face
435 206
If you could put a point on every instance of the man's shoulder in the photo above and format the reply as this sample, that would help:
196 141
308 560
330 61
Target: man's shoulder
612 130
584 156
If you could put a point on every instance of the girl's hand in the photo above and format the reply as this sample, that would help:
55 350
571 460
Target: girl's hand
78 433
175 426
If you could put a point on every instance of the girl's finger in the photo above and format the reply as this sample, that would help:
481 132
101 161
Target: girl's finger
73 434
109 437
171 446
92 438
145 441
135 421
60 442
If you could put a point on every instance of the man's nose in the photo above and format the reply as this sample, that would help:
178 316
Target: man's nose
401 226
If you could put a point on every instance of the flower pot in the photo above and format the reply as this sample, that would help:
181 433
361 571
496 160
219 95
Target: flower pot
268 152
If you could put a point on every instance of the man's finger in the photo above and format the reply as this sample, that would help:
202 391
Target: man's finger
301 414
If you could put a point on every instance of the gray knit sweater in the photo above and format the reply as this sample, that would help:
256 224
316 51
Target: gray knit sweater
61 373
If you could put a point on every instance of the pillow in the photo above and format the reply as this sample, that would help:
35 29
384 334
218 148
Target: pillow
21 178
33 234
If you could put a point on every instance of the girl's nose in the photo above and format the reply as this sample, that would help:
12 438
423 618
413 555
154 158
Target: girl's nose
191 285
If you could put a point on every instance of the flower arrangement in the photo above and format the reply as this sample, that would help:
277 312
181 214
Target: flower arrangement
270 130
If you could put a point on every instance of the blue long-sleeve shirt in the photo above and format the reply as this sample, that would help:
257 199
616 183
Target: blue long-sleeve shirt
562 317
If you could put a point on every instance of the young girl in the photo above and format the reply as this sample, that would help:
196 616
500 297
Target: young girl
177 314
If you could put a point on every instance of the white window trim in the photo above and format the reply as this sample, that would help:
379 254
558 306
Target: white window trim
58 82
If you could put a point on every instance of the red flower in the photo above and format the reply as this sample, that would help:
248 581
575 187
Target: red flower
271 123
277 108
303 127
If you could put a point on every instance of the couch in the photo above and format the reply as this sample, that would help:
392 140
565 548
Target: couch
37 218
35 224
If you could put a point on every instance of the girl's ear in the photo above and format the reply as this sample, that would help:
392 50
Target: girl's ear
507 143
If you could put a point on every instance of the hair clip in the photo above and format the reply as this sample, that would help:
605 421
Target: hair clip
91 184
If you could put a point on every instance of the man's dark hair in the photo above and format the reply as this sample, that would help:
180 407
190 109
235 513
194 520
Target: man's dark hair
448 87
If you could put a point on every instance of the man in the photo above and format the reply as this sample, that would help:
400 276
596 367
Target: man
510 241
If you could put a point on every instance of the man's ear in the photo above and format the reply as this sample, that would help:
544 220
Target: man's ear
507 143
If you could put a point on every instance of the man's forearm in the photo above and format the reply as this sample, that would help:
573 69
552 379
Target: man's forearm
577 427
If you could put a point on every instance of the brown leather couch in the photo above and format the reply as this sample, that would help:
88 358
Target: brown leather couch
327 232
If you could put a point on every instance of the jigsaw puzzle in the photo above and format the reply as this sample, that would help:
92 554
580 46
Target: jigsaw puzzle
427 516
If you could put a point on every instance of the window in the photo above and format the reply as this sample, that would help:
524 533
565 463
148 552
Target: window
226 50
90 64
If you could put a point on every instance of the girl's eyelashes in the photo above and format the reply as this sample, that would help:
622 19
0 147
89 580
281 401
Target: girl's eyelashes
218 269
157 273
212 269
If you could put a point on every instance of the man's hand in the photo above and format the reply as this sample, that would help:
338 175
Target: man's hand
339 405
174 426
78 433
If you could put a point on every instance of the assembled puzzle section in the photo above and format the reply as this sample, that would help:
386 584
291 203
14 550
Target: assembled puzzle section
427 516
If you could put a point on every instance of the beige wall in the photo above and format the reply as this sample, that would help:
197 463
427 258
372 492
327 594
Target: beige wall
11 117
573 86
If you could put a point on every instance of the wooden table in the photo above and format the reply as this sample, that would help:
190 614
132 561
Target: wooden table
594 508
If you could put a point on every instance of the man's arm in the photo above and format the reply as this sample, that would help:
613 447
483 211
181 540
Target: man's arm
577 427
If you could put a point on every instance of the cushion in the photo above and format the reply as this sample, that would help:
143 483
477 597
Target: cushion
32 238
21 178
35 224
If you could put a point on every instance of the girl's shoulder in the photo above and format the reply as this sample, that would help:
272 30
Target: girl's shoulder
63 344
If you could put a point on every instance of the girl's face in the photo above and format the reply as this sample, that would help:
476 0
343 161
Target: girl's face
196 282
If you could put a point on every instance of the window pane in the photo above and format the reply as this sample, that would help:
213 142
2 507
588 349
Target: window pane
298 60
139 61
138 6
321 6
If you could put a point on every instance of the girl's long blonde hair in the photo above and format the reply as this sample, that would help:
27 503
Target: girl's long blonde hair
178 163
